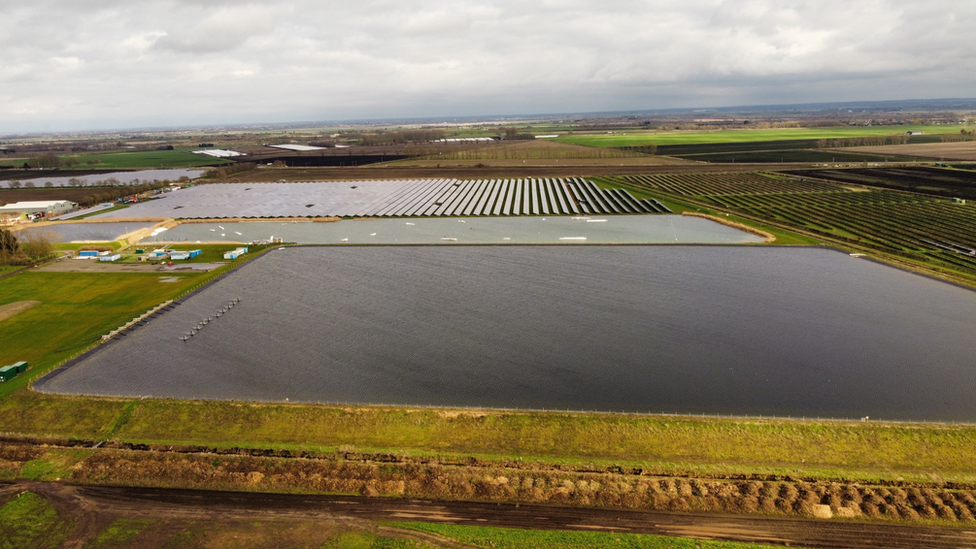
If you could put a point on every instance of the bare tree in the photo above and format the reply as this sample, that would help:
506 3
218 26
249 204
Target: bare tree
37 243
9 247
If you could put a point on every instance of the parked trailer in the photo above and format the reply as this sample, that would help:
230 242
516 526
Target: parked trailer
21 366
234 254
7 373
113 257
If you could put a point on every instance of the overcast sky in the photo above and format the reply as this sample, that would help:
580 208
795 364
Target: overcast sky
89 64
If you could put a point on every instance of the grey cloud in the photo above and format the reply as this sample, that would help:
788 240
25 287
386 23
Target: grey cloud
219 29
77 64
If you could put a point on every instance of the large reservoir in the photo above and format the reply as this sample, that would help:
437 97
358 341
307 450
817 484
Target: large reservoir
719 330
659 229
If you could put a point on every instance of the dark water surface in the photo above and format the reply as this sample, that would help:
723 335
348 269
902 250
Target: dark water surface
607 229
74 232
727 330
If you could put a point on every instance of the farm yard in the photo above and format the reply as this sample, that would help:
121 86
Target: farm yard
926 229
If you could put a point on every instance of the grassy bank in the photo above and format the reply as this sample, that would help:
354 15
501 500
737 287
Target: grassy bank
666 445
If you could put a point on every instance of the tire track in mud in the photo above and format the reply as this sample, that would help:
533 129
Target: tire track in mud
93 502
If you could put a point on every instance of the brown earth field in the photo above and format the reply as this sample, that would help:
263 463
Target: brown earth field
538 162
533 153
308 520
12 309
74 194
599 167
962 150
24 175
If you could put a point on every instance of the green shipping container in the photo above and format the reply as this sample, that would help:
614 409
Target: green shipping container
21 366
7 373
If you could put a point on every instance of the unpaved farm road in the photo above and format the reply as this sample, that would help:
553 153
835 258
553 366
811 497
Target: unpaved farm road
88 503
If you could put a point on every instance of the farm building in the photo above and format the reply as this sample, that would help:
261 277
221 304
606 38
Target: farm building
45 208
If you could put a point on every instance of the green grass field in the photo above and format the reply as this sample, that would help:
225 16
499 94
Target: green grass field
511 538
148 159
75 246
76 309
637 137
29 520
793 155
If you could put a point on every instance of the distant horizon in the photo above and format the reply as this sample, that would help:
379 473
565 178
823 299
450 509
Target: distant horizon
932 104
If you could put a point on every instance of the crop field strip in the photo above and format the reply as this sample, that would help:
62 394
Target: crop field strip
397 198
922 226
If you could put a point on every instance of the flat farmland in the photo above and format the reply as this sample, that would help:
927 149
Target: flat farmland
676 328
677 137
963 150
151 159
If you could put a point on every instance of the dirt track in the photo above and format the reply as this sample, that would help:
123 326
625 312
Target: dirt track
95 505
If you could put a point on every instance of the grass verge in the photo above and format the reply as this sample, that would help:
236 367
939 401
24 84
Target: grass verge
512 538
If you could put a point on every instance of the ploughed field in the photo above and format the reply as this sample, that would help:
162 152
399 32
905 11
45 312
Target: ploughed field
724 330
927 229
